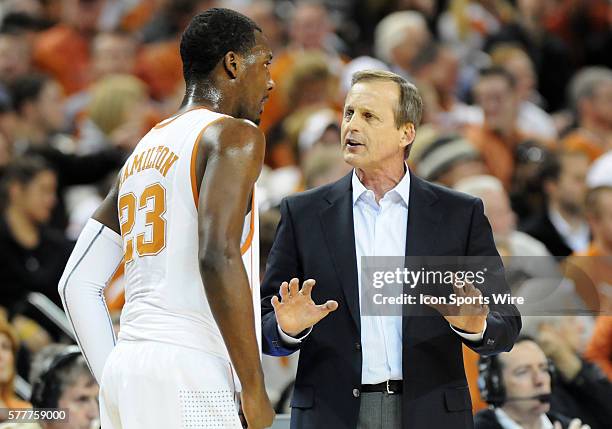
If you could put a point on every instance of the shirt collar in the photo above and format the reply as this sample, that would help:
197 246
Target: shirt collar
507 423
402 188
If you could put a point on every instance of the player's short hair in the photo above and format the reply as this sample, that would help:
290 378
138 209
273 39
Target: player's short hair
209 36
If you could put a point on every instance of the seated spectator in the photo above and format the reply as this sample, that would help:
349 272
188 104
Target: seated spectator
15 59
499 138
33 255
38 105
324 165
531 118
118 114
448 159
591 95
8 361
518 386
310 29
320 128
524 257
581 389
502 218
550 55
599 349
311 82
111 53
438 66
591 270
398 39
561 224
63 50
66 382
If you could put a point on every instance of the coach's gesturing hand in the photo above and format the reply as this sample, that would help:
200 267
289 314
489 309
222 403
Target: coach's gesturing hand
469 316
296 311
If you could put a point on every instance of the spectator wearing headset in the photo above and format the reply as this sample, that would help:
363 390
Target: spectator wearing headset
581 389
67 383
517 385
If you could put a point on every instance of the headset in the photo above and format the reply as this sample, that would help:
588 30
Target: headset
491 383
46 389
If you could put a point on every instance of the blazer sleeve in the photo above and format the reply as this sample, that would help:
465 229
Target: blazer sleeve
283 264
504 320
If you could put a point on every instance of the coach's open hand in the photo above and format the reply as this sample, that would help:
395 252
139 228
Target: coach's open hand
469 317
296 311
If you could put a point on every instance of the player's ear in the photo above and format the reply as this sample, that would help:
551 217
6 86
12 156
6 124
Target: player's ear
231 62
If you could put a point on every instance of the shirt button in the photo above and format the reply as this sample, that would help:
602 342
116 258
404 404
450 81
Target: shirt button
357 346
356 393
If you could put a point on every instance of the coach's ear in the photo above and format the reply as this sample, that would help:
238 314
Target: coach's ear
231 63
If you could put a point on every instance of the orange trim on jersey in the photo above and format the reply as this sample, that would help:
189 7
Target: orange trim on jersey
194 156
163 124
116 302
249 238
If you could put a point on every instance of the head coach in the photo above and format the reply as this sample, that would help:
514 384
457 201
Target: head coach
369 372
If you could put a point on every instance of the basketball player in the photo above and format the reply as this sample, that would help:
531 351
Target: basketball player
176 220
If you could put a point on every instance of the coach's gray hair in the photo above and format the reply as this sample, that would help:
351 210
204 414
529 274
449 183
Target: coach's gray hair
409 108
410 104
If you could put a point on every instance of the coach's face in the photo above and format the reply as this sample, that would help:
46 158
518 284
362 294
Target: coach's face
370 138
255 79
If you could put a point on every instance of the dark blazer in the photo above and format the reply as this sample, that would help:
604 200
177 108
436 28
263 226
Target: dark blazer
541 228
315 239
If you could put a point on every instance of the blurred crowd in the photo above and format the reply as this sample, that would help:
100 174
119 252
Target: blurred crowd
518 111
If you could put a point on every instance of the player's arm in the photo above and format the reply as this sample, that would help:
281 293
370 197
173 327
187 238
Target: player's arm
234 151
95 258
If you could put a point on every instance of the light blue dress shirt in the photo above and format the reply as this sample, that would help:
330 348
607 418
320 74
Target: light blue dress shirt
380 230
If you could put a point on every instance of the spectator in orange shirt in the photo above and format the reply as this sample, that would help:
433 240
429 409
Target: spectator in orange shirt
599 349
111 53
8 355
159 62
499 137
310 29
63 50
591 93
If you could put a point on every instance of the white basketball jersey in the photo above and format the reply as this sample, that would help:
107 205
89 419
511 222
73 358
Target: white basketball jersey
164 296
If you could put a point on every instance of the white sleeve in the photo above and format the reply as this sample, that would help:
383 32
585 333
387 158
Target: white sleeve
95 258
288 339
471 337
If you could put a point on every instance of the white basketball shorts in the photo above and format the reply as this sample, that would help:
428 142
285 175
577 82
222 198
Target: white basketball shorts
157 385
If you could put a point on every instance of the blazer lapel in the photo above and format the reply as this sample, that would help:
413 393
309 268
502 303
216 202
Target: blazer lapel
422 233
339 231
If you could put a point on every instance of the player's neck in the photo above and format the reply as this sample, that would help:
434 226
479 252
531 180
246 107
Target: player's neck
208 96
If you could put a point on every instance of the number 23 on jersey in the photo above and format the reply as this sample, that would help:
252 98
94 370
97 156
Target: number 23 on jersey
131 206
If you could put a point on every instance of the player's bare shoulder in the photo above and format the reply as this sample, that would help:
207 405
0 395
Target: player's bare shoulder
233 134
